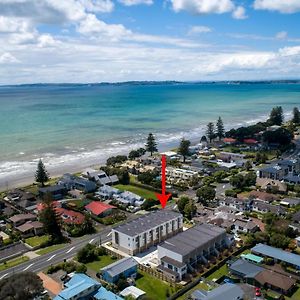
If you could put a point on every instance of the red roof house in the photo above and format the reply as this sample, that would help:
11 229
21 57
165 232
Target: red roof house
229 141
99 209
250 141
70 216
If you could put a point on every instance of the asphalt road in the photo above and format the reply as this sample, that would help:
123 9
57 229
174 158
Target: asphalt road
42 262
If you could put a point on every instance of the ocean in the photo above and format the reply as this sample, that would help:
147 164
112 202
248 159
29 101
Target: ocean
80 125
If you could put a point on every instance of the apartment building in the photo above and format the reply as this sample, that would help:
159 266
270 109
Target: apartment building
140 234
175 174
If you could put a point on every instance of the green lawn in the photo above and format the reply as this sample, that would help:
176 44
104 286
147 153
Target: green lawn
137 190
13 262
104 261
50 249
36 241
219 273
154 288
296 295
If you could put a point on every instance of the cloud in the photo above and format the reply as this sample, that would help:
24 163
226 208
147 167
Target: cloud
239 13
8 58
195 30
12 25
136 2
282 35
290 51
282 6
203 6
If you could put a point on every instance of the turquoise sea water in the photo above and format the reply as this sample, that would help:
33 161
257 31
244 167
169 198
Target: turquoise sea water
64 123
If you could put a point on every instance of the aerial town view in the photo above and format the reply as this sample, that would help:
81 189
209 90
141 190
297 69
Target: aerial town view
149 149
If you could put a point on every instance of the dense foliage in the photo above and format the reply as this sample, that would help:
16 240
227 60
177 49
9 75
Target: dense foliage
41 174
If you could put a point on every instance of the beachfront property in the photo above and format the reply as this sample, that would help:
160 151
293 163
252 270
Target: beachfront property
178 174
81 286
56 192
126 267
99 209
100 177
278 255
146 231
123 197
224 291
180 254
71 182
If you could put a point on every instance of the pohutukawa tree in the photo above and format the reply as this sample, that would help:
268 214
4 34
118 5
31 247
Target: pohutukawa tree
41 174
151 145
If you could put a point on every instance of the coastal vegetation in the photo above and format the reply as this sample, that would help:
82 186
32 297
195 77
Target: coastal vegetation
41 175
184 148
151 145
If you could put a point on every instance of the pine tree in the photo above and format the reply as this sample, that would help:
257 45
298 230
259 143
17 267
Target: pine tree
184 148
220 128
296 116
203 139
210 132
151 145
50 220
276 116
41 174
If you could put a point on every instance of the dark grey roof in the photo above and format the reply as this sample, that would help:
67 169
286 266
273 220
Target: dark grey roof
120 266
187 241
245 268
292 201
276 253
172 261
52 188
292 178
226 291
147 222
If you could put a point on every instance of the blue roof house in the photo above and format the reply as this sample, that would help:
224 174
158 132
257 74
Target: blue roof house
126 267
82 287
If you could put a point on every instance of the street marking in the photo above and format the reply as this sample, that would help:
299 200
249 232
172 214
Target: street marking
70 250
3 276
28 267
91 241
51 257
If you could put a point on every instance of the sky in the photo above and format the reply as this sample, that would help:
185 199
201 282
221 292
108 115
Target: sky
80 41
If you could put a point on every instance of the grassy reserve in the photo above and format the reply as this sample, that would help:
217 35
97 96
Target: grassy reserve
137 190
13 262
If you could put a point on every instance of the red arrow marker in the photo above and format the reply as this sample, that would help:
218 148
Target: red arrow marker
163 197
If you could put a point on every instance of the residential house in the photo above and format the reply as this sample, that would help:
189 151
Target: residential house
296 217
179 254
226 291
263 207
246 226
71 182
278 255
244 269
31 228
107 192
270 185
146 231
229 141
178 174
100 209
126 267
263 196
22 199
231 157
101 177
83 287
56 192
129 198
20 219
275 281
293 165
132 291
236 203
290 202
273 172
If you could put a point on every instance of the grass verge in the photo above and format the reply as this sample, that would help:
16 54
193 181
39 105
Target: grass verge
13 262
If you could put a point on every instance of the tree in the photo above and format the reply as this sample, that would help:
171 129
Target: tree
184 148
151 145
21 286
296 116
280 136
276 116
220 128
87 254
181 203
206 193
87 226
41 174
237 181
248 165
50 220
190 210
210 131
